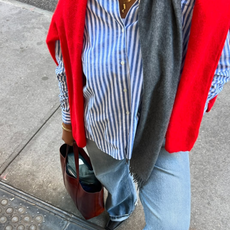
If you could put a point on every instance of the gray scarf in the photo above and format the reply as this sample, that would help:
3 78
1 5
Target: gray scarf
160 29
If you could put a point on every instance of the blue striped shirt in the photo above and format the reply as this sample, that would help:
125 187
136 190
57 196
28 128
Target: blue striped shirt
112 64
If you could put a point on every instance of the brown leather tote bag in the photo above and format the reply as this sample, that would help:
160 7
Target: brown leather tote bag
90 204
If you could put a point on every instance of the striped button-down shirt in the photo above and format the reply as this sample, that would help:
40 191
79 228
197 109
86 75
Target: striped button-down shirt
112 65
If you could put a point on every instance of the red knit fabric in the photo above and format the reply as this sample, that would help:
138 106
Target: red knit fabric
210 24
67 25
211 103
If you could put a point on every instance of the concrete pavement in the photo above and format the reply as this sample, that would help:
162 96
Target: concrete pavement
43 4
31 134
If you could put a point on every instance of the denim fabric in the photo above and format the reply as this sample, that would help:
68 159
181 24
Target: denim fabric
114 175
166 197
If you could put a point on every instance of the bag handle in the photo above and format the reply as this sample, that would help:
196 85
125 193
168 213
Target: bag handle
76 158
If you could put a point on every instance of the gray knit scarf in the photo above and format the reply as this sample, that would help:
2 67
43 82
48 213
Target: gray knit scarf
160 29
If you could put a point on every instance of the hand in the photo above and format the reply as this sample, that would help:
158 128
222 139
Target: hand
67 136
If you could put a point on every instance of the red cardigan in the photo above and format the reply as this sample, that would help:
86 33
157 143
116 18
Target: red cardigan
210 24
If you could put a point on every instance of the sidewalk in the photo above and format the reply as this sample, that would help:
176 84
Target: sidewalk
30 136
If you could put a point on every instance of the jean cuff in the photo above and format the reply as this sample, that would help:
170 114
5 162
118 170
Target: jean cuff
124 217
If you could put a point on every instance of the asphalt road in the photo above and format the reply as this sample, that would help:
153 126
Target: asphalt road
43 4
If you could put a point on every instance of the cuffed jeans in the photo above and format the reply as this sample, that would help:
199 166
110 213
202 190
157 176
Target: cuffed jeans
165 197
114 175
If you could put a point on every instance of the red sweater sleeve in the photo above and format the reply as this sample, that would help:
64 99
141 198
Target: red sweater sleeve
207 37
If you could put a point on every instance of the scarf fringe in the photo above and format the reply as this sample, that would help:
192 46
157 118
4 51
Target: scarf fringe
138 180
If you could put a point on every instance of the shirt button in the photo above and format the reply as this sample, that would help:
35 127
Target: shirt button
127 112
123 30
122 62
125 90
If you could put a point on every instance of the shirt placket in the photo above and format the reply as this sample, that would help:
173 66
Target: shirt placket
130 115
124 79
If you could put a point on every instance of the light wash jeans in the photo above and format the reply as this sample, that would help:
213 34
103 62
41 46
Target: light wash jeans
114 175
165 197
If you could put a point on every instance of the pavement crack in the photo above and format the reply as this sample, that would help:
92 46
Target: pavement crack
27 140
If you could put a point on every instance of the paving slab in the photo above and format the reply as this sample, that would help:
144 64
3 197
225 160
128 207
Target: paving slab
37 171
210 168
43 4
28 86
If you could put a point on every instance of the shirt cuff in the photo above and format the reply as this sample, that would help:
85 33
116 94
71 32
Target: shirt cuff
66 117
